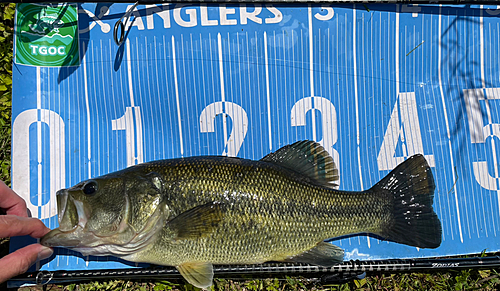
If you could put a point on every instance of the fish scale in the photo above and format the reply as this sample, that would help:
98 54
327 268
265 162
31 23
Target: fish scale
281 205
198 211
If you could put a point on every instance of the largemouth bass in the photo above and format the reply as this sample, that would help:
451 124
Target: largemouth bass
194 212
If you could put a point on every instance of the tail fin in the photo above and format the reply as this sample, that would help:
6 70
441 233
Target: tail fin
413 220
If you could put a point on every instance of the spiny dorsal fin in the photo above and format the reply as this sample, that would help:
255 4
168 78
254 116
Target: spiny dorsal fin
198 221
308 158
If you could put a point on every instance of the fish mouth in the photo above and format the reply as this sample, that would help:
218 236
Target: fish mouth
70 212
74 234
71 217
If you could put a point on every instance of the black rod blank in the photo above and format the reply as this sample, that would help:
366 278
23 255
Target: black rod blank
348 267
477 2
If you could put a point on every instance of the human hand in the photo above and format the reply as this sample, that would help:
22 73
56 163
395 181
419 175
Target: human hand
15 223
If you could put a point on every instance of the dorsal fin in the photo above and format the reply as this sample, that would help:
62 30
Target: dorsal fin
308 158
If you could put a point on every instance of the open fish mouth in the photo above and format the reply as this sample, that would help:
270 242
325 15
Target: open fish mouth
70 212
72 232
71 217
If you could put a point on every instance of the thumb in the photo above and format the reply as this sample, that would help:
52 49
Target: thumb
19 261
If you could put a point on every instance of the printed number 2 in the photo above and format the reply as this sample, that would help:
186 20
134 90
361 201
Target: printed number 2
131 122
239 117
479 132
407 130
21 161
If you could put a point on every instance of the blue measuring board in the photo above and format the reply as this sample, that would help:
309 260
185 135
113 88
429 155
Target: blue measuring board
373 84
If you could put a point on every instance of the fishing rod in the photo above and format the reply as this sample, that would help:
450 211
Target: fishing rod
119 27
269 1
341 273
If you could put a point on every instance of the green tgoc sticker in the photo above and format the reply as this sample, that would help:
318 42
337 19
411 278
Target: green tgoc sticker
47 35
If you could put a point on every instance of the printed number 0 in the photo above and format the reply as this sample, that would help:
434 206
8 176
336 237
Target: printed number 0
21 161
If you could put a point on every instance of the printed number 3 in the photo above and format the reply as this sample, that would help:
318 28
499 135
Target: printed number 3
328 118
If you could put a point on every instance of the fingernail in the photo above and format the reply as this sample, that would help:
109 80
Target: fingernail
45 253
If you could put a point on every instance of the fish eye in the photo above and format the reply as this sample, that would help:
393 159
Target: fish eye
90 188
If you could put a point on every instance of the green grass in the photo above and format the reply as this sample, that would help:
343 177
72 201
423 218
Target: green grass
6 37
469 279
453 280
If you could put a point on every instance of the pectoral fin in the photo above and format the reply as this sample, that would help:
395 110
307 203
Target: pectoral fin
199 275
198 221
323 254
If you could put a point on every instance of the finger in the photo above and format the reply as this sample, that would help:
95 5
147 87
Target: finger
19 261
11 225
11 202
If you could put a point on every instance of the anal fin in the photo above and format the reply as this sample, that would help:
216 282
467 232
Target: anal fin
323 254
199 274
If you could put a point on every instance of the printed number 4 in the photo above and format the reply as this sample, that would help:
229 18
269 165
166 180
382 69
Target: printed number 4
403 126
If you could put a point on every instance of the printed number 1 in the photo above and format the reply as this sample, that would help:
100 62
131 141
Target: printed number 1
131 122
